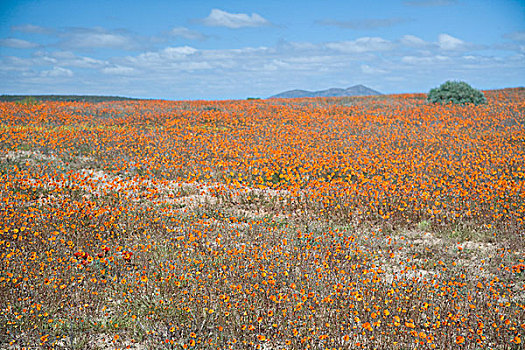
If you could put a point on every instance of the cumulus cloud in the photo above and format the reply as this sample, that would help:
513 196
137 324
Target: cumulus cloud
87 38
365 24
168 58
59 59
219 18
516 47
185 59
30 28
69 59
418 60
516 36
25 63
413 41
365 68
448 42
12 63
287 45
365 44
187 33
118 70
168 53
188 72
17 43
57 72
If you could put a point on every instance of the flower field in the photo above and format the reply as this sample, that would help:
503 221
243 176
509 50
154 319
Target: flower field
325 223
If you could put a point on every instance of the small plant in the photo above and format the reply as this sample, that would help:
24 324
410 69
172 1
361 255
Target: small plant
457 92
28 101
424 225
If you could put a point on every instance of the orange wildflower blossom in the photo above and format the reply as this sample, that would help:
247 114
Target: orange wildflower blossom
303 223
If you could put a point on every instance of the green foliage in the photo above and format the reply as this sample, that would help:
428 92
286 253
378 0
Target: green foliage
28 101
457 92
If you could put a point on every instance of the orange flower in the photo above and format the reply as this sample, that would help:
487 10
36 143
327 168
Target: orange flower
410 325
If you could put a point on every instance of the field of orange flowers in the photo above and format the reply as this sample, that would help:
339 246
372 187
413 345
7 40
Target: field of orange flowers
330 223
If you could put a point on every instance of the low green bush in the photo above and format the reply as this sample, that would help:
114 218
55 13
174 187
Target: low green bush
457 92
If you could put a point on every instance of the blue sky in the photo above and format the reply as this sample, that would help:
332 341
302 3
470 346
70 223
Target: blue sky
234 49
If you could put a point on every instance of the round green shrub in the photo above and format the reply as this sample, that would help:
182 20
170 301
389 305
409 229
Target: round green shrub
457 92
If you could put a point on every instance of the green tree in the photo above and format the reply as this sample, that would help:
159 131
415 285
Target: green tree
457 92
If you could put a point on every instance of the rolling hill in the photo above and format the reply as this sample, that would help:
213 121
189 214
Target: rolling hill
357 90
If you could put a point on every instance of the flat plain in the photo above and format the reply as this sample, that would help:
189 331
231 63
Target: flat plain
323 223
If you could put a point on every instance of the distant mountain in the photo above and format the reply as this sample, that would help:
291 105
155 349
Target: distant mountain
357 90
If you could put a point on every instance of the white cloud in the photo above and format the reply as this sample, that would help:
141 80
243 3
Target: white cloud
366 24
57 72
69 59
30 28
413 41
418 60
361 45
87 38
181 72
17 43
516 47
37 60
448 42
365 68
84 62
287 45
517 36
187 33
165 55
101 40
219 18
178 52
11 63
118 70
169 58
